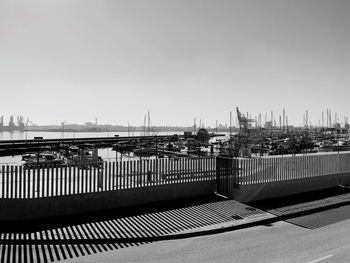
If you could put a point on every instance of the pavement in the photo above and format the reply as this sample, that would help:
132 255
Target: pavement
280 242
160 221
69 237
307 203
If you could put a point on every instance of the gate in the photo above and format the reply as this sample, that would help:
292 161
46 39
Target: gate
227 175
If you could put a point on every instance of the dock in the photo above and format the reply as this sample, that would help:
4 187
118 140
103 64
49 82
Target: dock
15 147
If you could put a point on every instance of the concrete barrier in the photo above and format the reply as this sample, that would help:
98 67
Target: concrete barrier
255 192
345 179
35 208
252 179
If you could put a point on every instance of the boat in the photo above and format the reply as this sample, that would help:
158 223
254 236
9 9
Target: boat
85 158
145 151
329 146
125 146
34 160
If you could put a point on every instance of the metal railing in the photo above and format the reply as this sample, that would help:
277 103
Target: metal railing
49 181
273 169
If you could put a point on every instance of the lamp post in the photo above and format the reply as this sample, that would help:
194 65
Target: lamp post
116 152
26 131
38 139
156 148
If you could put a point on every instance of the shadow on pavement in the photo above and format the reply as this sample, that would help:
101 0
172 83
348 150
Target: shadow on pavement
310 210
60 238
103 215
293 201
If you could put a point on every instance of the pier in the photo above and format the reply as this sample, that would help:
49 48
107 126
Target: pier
15 147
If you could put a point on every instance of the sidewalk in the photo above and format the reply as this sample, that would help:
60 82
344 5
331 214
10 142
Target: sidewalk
147 223
273 210
307 203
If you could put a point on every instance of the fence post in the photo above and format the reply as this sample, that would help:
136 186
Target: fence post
14 180
149 177
3 181
42 192
117 172
100 177
218 175
33 190
24 182
113 175
127 175
47 181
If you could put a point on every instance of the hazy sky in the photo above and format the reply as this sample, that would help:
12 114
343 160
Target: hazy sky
76 60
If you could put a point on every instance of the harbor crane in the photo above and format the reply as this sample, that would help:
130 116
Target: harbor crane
244 123
242 141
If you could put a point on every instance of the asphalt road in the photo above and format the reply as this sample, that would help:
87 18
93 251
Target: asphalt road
321 237
325 218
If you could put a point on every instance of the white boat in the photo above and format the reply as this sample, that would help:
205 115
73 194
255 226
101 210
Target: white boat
43 159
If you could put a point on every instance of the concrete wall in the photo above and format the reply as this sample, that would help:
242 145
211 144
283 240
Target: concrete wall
26 209
254 192
345 179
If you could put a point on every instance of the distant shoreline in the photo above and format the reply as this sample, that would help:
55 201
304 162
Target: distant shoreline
138 130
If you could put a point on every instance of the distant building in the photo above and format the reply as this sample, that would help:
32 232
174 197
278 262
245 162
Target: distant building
336 125
268 125
187 134
12 125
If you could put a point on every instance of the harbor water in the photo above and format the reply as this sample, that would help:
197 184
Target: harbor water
106 153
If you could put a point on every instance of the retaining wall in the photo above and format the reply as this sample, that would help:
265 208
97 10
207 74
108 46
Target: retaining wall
255 192
27 209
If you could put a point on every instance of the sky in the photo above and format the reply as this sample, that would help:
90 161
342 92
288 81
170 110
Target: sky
114 60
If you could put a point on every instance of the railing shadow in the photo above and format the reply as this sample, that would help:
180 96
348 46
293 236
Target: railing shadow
76 236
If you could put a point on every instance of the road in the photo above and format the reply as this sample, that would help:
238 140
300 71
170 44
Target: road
321 237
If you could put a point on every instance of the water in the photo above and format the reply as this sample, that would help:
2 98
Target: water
17 135
106 153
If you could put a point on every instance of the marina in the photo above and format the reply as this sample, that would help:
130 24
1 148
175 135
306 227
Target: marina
249 140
